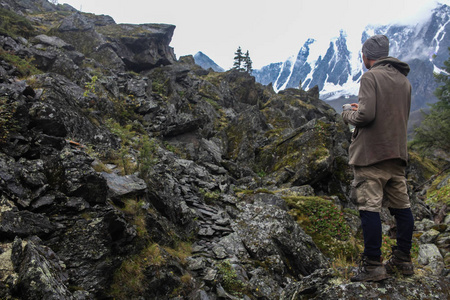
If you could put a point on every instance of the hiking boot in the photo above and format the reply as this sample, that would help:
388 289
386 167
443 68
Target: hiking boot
370 270
399 262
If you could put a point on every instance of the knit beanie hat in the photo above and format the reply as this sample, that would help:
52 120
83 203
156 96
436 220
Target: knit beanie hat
376 46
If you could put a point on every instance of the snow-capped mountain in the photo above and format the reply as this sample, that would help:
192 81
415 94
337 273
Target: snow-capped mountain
337 70
205 62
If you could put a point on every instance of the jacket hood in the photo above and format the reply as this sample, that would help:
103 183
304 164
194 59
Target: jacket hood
402 67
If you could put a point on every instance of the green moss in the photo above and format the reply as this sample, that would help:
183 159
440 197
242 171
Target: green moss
49 20
326 224
214 104
84 41
351 211
11 24
426 166
208 90
147 155
23 65
210 196
302 148
299 103
439 196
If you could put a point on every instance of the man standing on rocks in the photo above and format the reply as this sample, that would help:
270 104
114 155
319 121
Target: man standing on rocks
378 154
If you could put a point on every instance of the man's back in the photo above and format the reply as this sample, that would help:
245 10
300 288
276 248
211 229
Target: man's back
382 116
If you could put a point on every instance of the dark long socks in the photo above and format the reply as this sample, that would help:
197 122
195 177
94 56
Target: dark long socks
405 227
371 226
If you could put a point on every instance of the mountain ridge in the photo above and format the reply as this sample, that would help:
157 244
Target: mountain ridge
337 69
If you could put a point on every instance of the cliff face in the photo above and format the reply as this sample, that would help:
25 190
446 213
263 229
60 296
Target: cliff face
127 174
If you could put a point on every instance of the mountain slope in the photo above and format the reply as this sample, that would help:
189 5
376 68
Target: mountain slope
128 174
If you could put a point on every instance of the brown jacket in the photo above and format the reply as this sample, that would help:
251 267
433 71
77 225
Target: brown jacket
381 119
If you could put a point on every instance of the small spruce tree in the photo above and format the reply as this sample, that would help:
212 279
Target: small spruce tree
434 131
248 63
238 59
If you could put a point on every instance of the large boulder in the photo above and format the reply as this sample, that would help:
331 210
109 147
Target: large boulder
40 272
270 234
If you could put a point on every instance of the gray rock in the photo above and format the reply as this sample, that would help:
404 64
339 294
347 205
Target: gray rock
52 41
447 220
304 190
76 22
210 275
424 225
40 273
443 243
24 224
137 87
429 237
430 256
264 285
124 186
220 252
267 230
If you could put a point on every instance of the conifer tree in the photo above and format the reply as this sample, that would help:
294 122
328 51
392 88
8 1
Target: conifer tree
238 59
248 63
434 131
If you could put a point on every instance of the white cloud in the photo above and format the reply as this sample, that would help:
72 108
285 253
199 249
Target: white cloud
271 30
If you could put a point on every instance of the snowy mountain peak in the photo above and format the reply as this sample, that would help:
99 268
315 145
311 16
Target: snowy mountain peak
205 62
337 69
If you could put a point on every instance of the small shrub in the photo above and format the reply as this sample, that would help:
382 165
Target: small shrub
90 86
134 210
386 245
230 282
129 280
146 158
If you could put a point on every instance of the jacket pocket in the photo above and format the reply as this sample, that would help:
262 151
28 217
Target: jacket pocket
357 191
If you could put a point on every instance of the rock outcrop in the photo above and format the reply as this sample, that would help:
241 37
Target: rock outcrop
128 174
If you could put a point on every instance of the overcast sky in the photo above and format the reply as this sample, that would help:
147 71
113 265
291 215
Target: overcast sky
270 30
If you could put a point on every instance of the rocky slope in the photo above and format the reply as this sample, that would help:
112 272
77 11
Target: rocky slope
126 174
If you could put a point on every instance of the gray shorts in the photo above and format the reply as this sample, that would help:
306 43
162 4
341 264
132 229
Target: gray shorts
384 180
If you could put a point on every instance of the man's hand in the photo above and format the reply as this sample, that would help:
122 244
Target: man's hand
346 107
353 106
